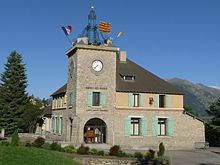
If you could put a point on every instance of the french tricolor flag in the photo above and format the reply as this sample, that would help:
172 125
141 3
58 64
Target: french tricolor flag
67 29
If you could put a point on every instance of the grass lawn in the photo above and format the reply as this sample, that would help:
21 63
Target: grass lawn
33 156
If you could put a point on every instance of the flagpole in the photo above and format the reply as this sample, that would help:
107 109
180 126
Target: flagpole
69 40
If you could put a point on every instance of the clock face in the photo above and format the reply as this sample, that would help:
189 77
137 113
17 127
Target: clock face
97 65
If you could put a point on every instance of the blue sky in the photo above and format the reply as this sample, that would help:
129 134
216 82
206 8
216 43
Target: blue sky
169 38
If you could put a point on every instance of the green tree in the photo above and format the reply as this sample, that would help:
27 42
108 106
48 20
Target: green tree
189 109
215 112
212 129
31 116
13 97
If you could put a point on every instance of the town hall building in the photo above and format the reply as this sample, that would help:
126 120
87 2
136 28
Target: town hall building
110 100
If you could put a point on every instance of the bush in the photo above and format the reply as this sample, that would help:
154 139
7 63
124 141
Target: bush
46 146
83 150
121 154
163 160
130 155
101 153
4 143
55 146
38 142
138 155
69 149
161 151
150 154
27 144
114 150
15 139
94 151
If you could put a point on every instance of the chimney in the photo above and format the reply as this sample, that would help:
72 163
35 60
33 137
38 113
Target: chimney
122 56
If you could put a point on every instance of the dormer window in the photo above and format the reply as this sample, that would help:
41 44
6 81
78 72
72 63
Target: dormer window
128 78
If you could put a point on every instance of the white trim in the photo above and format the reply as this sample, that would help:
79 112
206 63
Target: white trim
131 116
163 117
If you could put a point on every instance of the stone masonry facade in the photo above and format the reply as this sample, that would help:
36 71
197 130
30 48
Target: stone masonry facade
185 130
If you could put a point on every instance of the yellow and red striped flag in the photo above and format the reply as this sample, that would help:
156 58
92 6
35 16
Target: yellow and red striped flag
104 27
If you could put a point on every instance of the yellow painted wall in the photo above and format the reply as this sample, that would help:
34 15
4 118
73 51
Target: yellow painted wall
176 101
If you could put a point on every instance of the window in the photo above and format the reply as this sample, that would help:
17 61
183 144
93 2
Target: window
162 101
96 99
129 78
135 126
135 100
162 126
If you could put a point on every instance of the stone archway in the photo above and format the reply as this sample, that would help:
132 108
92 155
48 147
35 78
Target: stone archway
95 131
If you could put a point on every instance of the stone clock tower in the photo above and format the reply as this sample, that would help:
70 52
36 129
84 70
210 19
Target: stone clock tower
91 88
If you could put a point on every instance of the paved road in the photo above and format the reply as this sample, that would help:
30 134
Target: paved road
210 156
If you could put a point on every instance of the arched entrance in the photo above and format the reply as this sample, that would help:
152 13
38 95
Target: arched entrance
95 131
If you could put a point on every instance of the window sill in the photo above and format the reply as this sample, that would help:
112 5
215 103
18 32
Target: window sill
136 137
96 109
164 136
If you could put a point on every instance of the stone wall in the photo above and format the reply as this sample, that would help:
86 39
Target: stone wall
186 131
95 160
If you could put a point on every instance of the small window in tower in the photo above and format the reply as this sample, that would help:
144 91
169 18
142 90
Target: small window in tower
128 78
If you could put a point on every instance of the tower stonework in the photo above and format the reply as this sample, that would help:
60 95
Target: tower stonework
84 81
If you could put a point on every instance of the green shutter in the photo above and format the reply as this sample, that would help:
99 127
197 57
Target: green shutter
155 126
127 126
54 103
142 100
73 96
156 101
103 99
57 124
62 101
61 125
59 130
170 126
53 124
168 101
144 126
89 98
130 100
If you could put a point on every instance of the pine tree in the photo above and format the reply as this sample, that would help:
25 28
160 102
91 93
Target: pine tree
13 97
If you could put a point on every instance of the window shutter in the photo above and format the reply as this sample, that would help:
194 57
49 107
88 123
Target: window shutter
59 130
156 101
61 125
53 125
103 99
144 126
89 98
57 125
170 126
142 100
62 101
155 126
54 103
127 126
130 100
73 97
168 101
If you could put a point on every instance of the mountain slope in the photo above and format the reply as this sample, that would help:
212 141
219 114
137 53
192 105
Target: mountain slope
198 96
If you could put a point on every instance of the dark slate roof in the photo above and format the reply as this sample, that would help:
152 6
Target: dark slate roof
60 91
144 81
